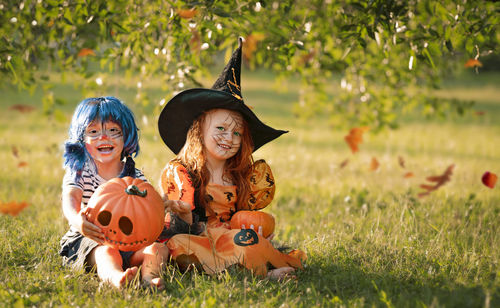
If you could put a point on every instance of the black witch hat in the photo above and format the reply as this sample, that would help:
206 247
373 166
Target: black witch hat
181 111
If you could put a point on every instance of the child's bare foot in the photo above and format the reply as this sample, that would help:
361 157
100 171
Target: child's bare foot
281 273
155 283
120 280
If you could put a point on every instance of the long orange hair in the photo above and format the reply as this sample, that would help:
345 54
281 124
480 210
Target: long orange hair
237 168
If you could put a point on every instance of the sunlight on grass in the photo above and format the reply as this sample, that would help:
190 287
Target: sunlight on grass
369 238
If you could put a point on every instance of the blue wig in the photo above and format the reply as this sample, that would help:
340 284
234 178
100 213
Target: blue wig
102 109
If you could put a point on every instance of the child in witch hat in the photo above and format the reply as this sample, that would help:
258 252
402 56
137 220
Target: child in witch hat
213 133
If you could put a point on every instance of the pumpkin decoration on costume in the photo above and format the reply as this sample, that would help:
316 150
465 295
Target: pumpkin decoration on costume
255 218
129 211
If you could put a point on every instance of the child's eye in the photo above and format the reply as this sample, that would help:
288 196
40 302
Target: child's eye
237 134
220 128
93 131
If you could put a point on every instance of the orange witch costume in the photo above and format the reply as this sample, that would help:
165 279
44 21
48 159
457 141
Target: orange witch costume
209 242
219 246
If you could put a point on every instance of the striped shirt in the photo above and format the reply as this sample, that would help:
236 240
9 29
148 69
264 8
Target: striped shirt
89 181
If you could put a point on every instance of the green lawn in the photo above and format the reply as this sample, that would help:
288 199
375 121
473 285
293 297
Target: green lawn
370 240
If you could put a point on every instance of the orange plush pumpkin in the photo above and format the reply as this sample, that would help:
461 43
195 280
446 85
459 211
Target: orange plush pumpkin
255 218
129 211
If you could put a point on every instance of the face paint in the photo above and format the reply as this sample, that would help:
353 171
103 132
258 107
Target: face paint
222 134
104 141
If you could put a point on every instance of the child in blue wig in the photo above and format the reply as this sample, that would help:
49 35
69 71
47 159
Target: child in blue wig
103 137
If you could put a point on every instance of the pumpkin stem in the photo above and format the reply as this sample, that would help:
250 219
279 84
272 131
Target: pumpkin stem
134 190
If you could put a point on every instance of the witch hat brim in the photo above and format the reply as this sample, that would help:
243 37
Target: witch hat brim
180 112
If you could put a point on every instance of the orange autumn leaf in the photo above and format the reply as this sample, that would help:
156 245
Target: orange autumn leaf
355 137
22 108
489 179
374 164
473 63
187 13
22 164
479 113
401 161
86 52
439 181
343 163
12 208
408 175
250 45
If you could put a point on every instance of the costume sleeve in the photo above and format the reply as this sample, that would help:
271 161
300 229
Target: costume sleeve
176 184
261 186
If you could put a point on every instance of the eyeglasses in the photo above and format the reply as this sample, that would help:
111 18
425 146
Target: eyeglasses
113 133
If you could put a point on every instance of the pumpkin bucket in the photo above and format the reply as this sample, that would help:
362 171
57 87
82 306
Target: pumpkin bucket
255 218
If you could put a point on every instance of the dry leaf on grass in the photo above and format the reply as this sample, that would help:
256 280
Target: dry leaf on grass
22 108
12 208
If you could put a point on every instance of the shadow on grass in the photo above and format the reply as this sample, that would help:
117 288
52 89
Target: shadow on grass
349 283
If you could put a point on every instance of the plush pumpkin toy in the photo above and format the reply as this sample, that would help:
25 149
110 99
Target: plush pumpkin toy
255 218
129 211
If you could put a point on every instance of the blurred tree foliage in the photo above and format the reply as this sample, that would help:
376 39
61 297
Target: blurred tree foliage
385 55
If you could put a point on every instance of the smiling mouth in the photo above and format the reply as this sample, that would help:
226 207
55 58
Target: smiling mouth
105 148
224 146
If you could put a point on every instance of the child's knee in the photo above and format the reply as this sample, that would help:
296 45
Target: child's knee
158 249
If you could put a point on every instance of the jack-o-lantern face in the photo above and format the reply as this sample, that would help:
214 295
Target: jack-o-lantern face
246 237
129 211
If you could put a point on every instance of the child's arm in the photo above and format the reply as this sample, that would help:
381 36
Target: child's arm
71 200
177 191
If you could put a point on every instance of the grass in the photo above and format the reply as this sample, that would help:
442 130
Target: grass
370 240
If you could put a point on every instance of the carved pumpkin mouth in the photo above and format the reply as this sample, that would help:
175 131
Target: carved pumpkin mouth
121 243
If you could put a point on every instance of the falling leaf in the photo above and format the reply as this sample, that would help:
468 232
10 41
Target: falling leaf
440 180
86 52
374 164
187 13
195 42
473 63
22 108
344 163
307 57
250 45
22 164
401 162
355 137
12 208
15 151
489 179
408 175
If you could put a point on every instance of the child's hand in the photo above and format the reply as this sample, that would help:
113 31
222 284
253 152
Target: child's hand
259 230
178 206
88 229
